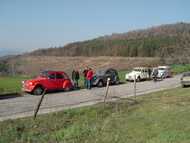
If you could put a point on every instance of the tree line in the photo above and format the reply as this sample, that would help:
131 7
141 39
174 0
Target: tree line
163 41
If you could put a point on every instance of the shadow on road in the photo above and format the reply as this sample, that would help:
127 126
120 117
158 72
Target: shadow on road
10 95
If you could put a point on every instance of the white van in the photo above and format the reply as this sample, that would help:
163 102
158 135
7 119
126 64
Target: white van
140 73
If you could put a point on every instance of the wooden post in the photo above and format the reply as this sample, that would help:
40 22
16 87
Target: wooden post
107 88
39 104
135 86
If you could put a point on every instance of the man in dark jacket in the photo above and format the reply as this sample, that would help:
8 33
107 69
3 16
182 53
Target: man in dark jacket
85 77
75 78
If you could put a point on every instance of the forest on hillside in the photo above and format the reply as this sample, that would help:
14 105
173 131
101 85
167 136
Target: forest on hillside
172 40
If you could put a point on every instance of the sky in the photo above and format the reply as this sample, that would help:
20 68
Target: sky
26 25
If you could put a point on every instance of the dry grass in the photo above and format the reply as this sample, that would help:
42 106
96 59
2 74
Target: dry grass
35 64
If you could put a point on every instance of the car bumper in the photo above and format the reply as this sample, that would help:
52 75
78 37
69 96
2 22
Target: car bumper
129 78
185 82
26 88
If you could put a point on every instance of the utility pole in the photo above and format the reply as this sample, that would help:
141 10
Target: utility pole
107 88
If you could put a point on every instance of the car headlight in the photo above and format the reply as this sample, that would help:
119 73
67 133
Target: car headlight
30 83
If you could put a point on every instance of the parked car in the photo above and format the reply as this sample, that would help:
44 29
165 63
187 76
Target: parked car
49 80
101 76
164 72
138 74
185 79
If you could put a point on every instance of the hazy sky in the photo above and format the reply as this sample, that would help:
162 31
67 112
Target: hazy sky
31 24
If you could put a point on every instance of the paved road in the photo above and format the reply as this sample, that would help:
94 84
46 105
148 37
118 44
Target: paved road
24 106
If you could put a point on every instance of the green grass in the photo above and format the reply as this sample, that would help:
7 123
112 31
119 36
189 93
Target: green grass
179 68
161 117
11 83
122 75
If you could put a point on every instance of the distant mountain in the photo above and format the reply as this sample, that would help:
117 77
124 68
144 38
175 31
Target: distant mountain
169 40
6 52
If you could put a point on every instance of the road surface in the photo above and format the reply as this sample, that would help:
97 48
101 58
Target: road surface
24 106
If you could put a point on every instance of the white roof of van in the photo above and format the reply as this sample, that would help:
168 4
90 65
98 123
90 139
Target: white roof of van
141 68
164 67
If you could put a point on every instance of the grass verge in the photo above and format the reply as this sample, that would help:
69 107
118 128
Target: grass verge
179 68
161 117
11 84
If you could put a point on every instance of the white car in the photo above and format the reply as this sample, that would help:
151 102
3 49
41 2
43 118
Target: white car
138 73
164 72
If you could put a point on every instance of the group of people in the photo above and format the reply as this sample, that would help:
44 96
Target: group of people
88 76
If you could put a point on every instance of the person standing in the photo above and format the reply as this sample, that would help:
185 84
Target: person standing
89 78
155 74
149 72
85 77
74 77
77 77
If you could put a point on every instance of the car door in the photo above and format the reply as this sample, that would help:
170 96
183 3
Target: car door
146 73
60 80
142 73
51 84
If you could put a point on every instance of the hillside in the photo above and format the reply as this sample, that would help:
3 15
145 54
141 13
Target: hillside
166 44
172 40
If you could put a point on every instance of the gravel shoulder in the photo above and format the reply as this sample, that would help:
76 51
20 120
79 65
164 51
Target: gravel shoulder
24 106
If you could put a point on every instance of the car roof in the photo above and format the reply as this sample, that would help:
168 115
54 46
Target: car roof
105 69
53 71
164 67
141 68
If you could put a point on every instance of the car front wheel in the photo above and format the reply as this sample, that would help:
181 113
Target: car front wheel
138 79
38 91
100 84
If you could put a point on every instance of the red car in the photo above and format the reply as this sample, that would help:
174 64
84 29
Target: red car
49 80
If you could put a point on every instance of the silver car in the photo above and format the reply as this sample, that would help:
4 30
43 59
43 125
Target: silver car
164 72
185 79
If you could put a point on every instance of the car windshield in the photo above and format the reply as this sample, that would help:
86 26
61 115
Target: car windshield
137 70
44 74
100 72
162 69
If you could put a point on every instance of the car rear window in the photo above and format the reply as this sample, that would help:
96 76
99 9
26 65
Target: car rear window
65 76
59 76
51 76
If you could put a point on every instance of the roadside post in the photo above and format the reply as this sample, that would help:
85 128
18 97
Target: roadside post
107 88
39 104
135 86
